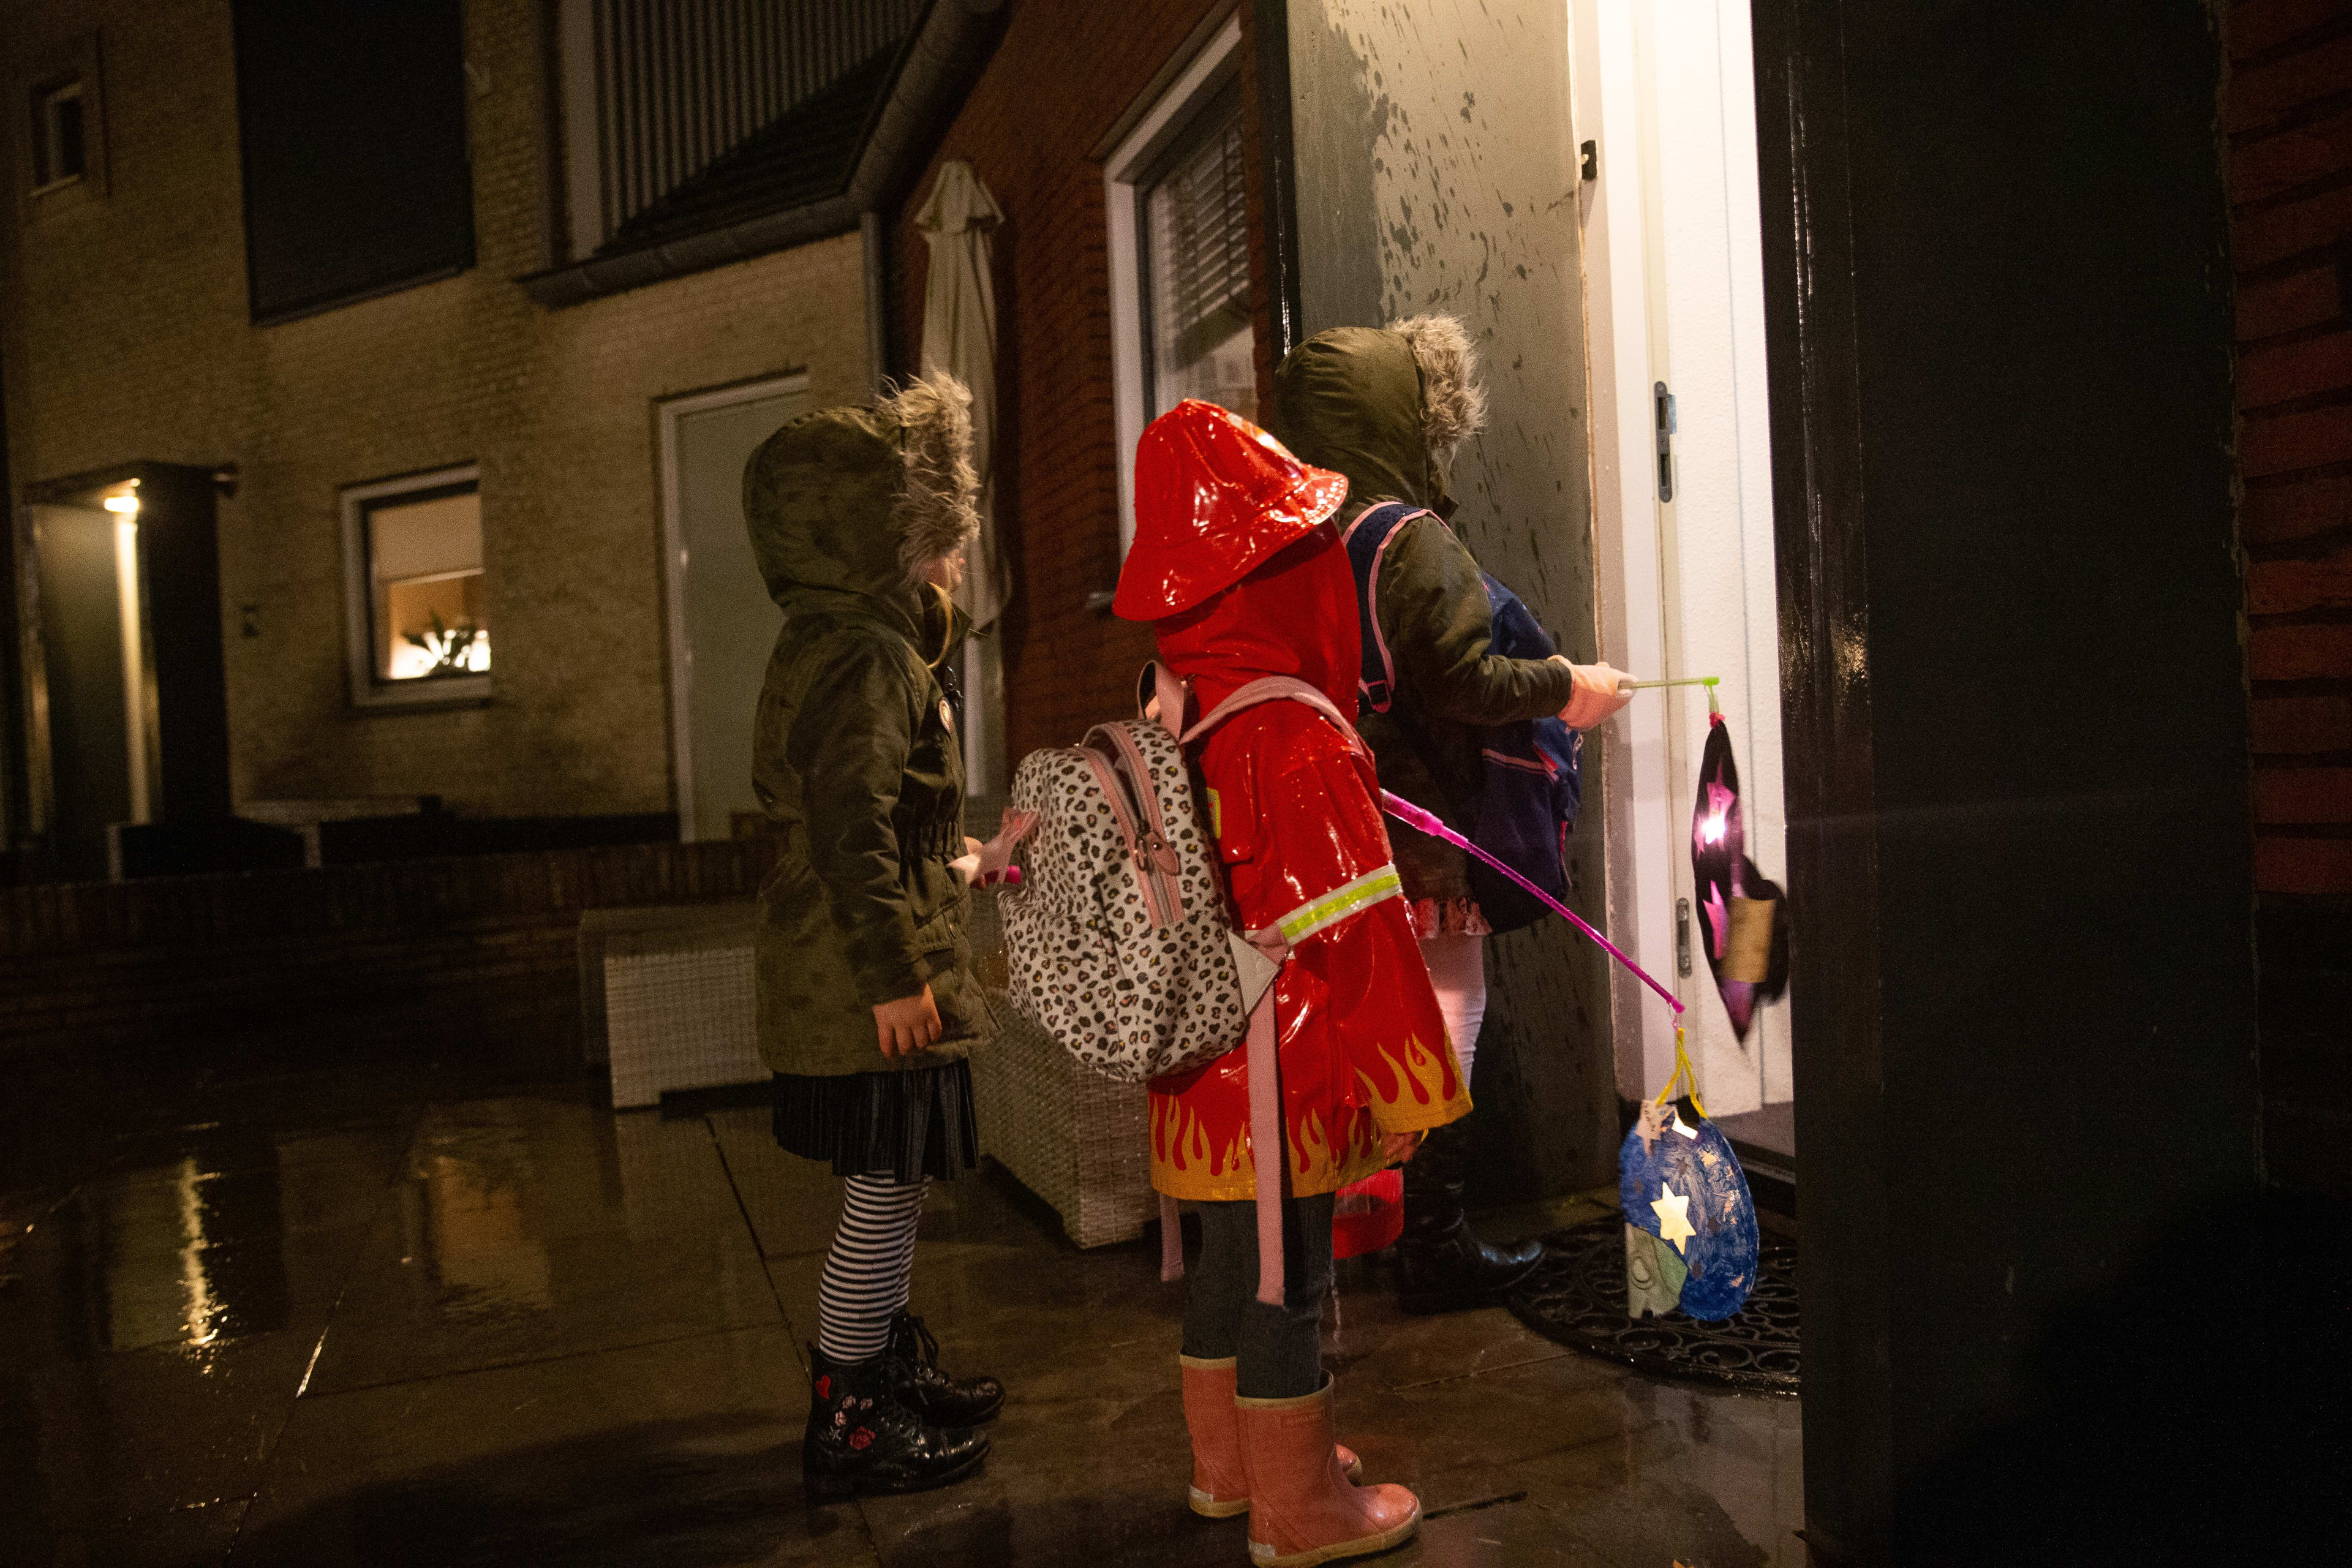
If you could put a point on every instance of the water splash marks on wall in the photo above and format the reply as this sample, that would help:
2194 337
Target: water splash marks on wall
1436 171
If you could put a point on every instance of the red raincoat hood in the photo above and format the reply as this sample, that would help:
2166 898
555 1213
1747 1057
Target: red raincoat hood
1215 496
1235 561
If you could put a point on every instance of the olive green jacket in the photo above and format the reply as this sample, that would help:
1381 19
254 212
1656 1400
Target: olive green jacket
1351 399
855 759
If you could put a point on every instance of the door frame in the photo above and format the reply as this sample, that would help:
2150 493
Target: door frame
1828 793
1629 581
677 669
1828 773
1641 545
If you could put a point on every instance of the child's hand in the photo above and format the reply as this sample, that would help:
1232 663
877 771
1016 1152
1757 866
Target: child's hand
1398 1148
967 865
908 1026
1598 694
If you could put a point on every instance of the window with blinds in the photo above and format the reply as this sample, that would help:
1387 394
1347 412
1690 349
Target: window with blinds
1195 244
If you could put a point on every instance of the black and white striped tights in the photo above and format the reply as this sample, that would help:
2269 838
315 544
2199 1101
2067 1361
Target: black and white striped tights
866 1273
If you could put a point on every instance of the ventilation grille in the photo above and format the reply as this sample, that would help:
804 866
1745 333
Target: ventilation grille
678 83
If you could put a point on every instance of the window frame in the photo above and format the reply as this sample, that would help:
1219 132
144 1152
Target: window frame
46 144
369 692
70 62
1127 175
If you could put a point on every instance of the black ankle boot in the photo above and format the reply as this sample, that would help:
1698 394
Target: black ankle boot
1441 1263
913 1366
862 1440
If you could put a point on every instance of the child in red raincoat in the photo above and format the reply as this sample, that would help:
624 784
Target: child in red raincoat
1237 567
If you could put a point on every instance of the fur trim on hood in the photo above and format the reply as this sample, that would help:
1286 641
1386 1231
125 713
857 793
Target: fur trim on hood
937 512
1453 405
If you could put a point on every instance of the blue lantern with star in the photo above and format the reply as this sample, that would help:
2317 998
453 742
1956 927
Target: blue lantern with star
1690 1223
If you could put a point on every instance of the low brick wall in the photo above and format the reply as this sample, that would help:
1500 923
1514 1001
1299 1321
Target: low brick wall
474 954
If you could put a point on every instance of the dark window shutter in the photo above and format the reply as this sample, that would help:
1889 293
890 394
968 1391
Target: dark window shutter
352 115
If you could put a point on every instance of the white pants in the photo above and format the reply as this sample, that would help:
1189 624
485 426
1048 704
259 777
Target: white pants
1457 970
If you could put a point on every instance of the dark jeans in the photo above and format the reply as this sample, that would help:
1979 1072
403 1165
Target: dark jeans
1280 1348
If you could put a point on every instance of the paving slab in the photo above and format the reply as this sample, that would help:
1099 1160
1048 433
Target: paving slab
527 1227
681 1453
327 1322
162 1318
194 1537
791 1203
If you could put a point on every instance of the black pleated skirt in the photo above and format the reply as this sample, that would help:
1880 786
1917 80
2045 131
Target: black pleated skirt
903 1125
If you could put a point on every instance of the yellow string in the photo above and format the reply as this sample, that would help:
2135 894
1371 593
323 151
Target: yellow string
1683 1069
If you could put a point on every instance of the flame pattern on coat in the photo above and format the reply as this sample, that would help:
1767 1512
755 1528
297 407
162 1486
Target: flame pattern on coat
1362 1045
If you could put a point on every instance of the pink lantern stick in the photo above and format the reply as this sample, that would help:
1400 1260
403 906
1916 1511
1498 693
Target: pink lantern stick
1412 815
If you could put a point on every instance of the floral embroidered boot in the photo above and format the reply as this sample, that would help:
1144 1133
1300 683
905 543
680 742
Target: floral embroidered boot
861 1441
913 1362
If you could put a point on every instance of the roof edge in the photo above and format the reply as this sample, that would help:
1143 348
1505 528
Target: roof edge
941 60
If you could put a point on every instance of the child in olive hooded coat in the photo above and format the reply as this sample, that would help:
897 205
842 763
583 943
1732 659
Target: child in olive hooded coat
1389 408
868 1005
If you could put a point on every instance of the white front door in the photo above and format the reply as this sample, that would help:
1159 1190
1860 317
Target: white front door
722 625
1665 89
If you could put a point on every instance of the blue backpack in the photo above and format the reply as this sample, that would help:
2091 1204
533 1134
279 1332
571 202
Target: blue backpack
1532 785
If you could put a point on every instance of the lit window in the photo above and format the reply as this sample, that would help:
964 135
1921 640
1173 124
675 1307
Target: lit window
420 622
59 151
1179 253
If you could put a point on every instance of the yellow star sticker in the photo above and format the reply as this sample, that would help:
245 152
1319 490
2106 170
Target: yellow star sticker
1674 1219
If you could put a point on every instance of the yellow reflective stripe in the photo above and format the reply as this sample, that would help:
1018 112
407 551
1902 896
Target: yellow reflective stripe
1339 903
1216 816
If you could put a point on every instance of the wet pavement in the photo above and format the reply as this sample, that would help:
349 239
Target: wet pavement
390 1317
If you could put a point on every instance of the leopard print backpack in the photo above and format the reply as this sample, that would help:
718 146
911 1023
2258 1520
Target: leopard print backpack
1116 937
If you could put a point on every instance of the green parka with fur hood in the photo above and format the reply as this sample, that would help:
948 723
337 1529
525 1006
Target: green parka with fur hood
855 757
1388 407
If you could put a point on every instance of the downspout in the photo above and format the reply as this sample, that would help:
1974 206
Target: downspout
870 230
938 63
1271 25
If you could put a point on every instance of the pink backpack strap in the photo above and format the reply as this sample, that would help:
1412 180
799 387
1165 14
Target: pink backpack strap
1269 1145
1162 695
1276 688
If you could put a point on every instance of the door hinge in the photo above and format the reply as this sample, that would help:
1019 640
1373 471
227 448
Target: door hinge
1588 160
1681 938
1664 405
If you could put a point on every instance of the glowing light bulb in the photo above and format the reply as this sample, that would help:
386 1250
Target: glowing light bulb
122 503
1711 830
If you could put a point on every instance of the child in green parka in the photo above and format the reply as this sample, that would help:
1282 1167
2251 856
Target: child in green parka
1389 408
867 1005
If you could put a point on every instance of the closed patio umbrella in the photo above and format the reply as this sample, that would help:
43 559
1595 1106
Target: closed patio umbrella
959 337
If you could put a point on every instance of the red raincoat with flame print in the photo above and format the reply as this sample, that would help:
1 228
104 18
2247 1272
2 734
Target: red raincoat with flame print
1242 574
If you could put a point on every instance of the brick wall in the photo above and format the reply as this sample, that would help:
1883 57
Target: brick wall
1028 129
122 321
475 955
2289 120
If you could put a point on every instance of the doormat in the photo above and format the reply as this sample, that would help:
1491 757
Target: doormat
1577 1296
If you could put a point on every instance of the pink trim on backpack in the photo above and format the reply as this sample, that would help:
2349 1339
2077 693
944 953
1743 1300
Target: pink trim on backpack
1150 856
1372 601
1543 765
